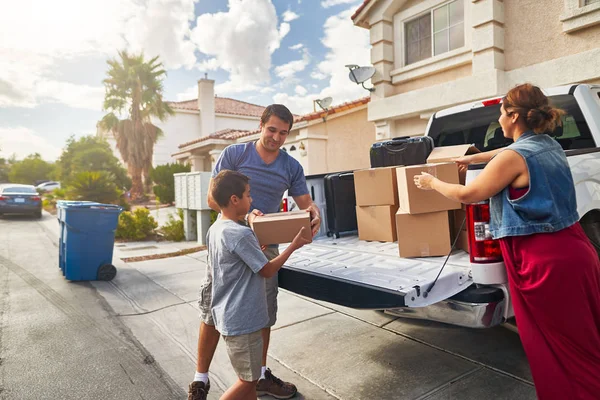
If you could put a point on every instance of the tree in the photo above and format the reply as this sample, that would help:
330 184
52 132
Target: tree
165 183
134 86
96 186
32 168
90 153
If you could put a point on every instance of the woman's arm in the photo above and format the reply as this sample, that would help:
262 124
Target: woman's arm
478 158
498 174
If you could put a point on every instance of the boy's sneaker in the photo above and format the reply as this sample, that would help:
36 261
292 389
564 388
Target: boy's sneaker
198 390
275 387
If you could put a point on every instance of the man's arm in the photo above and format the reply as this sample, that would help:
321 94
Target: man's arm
305 203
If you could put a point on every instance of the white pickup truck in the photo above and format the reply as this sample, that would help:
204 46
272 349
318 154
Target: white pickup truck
371 275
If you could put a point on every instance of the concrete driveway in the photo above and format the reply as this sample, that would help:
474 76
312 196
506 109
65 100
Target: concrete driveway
330 352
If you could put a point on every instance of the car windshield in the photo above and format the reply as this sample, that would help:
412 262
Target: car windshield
19 189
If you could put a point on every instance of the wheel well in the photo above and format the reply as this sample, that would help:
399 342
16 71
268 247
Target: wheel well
590 223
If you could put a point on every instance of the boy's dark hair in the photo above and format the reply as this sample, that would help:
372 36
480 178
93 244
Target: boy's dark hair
226 184
280 111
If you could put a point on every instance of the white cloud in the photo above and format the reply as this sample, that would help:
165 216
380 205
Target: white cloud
331 3
62 30
212 64
289 70
301 90
22 142
296 46
289 16
242 41
346 44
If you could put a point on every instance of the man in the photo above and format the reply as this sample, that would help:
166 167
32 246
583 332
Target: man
271 172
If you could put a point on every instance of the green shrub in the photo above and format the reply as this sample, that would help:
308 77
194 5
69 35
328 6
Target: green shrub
93 186
49 199
162 176
136 225
173 229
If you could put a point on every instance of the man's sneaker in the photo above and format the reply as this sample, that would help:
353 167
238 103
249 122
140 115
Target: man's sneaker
198 390
275 387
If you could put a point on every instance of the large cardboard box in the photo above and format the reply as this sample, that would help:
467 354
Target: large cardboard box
376 186
449 153
458 216
423 235
376 223
417 201
281 227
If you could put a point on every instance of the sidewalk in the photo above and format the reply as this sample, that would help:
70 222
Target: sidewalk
329 352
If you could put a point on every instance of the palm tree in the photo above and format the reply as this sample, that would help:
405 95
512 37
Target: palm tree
135 86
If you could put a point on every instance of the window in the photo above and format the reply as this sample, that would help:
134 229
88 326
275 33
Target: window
587 2
480 127
439 31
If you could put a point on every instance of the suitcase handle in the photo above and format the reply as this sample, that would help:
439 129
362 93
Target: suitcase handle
348 175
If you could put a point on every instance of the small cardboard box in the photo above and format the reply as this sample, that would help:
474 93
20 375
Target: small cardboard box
449 153
423 235
376 186
281 227
417 201
376 223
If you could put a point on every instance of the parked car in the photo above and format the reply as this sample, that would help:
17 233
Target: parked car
370 275
48 186
20 199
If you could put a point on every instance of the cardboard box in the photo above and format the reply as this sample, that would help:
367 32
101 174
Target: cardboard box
449 153
423 235
376 186
376 223
281 227
417 201
463 241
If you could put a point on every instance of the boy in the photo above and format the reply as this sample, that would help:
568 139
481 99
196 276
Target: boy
239 268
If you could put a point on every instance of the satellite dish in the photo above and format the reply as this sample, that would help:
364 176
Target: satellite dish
360 75
324 103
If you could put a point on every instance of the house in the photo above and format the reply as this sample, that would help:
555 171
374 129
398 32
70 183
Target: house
335 139
433 54
198 118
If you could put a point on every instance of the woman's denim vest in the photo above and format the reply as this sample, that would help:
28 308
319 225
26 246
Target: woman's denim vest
549 205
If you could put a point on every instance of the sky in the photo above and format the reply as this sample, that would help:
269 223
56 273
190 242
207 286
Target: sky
53 57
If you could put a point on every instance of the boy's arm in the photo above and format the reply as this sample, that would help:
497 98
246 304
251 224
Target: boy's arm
273 266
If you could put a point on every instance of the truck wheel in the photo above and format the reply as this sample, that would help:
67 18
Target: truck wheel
107 272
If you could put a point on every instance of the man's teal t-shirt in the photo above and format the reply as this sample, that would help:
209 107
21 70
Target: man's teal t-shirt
268 182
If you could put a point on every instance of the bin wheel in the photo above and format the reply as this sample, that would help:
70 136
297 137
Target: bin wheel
107 272
329 234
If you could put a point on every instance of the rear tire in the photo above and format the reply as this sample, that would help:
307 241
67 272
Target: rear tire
107 272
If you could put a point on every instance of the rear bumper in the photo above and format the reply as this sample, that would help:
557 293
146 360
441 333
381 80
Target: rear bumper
460 313
20 209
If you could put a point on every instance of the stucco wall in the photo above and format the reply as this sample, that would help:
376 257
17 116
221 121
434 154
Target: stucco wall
349 139
235 123
179 128
435 79
410 127
537 35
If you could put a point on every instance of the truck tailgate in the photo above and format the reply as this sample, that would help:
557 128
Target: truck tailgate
370 275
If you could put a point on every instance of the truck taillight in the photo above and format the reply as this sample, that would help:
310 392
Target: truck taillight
284 205
482 248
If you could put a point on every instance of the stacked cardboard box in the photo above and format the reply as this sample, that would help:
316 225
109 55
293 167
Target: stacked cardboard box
459 229
376 203
424 219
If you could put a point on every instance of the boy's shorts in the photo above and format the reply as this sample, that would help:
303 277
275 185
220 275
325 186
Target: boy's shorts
205 295
245 354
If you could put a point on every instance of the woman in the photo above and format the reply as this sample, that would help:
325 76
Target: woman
553 270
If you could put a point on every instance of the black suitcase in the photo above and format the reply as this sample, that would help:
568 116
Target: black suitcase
401 151
340 201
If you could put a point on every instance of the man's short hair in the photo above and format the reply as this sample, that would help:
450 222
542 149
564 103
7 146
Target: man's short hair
226 184
280 111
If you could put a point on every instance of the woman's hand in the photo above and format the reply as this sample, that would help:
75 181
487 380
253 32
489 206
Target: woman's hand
424 181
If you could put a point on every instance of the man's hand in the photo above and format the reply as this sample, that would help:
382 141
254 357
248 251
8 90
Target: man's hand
253 214
315 218
299 240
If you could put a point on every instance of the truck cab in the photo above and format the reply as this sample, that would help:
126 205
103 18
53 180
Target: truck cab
452 289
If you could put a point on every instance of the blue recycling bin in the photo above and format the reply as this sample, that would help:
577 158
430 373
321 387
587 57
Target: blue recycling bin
60 207
87 240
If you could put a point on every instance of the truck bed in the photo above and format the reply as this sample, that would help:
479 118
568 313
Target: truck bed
370 275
